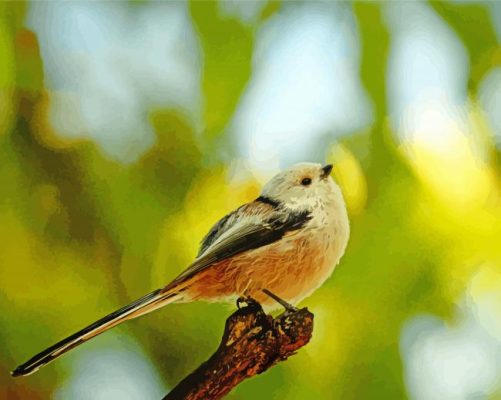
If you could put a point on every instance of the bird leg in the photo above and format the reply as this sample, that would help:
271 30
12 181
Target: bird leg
289 308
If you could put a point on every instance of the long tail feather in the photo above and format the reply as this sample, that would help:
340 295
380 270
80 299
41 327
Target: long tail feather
139 307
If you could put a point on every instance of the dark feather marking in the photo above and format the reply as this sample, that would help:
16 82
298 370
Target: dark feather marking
269 201
223 223
272 230
275 230
215 232
47 355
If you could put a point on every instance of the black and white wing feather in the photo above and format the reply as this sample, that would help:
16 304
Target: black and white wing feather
249 227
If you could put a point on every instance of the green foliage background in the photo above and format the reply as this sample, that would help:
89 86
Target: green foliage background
81 235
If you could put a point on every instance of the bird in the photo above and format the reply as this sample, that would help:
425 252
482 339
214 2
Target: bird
287 241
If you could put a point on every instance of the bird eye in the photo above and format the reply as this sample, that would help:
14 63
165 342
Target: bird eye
306 181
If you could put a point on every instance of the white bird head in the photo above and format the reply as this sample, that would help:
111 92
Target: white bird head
303 186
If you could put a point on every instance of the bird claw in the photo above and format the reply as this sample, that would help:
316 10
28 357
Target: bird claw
249 301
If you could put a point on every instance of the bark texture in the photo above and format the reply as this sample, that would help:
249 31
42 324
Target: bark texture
252 342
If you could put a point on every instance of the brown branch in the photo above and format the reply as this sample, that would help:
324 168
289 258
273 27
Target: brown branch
252 342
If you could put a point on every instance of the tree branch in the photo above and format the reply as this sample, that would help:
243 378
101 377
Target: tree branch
252 342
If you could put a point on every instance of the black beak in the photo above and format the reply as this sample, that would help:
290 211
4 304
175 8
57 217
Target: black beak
326 171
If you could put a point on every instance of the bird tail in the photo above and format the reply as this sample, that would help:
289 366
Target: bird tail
145 304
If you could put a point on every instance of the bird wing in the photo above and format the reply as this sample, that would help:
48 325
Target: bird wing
249 227
262 208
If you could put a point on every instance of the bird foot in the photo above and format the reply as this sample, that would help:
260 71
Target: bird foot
248 301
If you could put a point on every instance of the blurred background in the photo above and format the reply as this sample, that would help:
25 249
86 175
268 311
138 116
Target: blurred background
128 128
